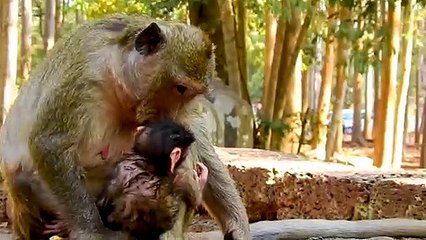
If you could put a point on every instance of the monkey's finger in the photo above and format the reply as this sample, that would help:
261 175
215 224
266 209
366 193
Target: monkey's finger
51 232
202 170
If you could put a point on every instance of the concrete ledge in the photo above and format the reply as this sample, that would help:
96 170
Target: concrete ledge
328 229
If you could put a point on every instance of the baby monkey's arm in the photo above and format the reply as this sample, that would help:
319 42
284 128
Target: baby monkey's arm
191 183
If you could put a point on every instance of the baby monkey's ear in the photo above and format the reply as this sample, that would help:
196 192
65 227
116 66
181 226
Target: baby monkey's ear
174 158
149 40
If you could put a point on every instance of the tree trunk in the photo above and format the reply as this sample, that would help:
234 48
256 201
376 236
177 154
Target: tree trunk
268 105
49 25
320 130
58 19
206 15
423 148
401 101
406 137
25 54
241 30
40 21
271 32
294 36
417 81
338 145
79 16
283 83
384 146
380 22
341 64
293 110
306 87
356 129
369 92
8 54
357 137
231 53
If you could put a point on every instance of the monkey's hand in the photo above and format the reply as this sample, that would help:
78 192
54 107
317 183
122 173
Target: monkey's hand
201 173
58 227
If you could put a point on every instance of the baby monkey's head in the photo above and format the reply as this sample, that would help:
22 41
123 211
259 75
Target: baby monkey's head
165 143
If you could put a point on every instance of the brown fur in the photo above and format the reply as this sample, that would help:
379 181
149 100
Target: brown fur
135 200
64 116
44 209
138 201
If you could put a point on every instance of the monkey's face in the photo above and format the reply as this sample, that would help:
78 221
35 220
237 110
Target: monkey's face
176 65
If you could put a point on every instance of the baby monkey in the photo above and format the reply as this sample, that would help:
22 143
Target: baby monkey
144 190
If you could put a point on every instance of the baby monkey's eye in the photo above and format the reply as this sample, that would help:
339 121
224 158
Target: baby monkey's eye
181 89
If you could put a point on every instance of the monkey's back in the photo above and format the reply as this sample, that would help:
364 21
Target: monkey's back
138 201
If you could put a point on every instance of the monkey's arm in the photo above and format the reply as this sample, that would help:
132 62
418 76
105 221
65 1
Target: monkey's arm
220 196
54 142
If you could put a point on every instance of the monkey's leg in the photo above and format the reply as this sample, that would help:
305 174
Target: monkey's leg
220 197
27 223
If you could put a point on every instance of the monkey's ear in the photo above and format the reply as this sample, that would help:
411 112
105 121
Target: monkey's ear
149 40
174 158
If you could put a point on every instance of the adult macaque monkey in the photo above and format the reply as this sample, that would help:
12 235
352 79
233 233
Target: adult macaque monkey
78 113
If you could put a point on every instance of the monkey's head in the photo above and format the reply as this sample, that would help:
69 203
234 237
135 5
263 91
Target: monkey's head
166 64
165 143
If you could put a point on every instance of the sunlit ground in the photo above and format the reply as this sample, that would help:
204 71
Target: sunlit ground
411 152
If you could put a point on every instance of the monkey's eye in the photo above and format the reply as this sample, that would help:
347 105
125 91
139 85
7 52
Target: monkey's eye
181 89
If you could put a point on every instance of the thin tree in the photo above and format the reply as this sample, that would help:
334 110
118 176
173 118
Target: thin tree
423 147
49 25
231 52
341 65
402 91
271 32
369 97
269 100
58 18
320 134
383 148
25 55
294 36
8 53
357 137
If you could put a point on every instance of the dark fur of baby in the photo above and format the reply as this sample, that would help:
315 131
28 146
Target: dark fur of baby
147 186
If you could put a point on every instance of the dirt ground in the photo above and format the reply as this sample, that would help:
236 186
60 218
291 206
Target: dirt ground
411 157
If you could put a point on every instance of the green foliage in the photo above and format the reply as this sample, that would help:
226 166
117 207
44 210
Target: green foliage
165 9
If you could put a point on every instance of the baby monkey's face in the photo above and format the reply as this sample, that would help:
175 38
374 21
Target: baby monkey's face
165 143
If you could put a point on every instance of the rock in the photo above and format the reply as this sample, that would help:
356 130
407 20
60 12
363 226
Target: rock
215 123
237 115
278 186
